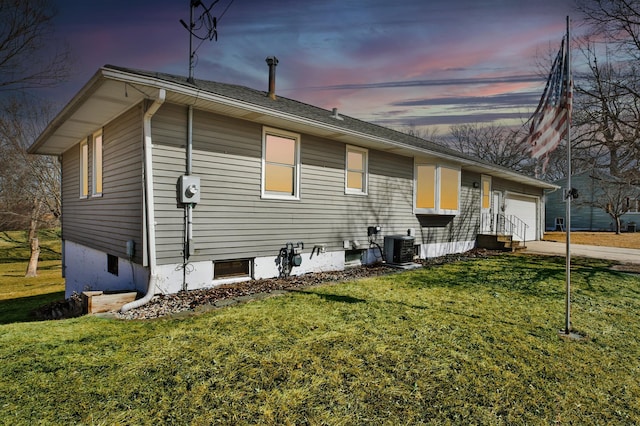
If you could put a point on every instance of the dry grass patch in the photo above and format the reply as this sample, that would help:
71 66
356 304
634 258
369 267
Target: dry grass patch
605 239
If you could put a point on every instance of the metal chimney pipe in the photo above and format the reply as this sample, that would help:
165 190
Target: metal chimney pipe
272 61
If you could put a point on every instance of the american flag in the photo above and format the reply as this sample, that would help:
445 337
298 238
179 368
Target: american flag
549 123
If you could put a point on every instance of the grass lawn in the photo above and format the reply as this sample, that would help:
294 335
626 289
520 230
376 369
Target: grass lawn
472 342
20 295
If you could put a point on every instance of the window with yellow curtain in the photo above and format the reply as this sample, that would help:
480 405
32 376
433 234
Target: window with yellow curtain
449 188
84 169
280 164
425 186
486 193
97 164
356 170
437 189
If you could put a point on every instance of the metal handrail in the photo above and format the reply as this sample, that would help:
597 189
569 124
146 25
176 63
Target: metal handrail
500 223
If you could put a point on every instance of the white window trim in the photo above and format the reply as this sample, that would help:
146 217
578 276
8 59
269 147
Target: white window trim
365 183
296 186
93 164
437 210
84 165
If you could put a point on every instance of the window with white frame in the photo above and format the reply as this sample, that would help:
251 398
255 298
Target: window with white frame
96 147
356 173
436 189
280 164
84 169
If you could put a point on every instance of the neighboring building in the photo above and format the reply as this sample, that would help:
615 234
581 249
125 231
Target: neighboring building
195 184
587 213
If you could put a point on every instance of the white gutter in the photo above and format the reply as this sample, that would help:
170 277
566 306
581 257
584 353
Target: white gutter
150 211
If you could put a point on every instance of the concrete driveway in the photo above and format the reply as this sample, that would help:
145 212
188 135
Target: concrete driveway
622 255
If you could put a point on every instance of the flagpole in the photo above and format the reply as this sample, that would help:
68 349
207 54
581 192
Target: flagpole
569 195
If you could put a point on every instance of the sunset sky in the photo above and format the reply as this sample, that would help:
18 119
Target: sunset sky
401 63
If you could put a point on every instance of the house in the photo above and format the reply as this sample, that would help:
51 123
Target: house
170 185
596 190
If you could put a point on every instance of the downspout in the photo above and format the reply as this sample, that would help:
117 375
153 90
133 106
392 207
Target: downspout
63 248
150 211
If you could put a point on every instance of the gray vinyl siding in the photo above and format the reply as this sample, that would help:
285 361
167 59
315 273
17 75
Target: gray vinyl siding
584 216
233 221
106 222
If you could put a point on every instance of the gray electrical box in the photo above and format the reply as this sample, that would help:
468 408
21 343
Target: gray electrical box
189 189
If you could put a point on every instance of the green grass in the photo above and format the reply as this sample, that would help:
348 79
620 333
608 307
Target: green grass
19 296
473 342
14 246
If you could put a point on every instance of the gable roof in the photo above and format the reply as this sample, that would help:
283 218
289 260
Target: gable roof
113 90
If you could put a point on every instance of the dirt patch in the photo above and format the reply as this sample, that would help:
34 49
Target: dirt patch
605 239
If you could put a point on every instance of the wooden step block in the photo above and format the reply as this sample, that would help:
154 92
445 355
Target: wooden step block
97 301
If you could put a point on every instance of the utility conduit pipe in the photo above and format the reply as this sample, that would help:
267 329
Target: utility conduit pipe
188 235
150 211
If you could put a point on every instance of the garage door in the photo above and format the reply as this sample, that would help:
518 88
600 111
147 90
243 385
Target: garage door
526 209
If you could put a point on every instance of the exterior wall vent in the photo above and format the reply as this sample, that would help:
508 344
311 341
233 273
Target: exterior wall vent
398 249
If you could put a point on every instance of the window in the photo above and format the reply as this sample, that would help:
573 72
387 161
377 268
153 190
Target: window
280 164
84 169
232 268
353 258
486 192
97 164
437 189
425 186
449 188
356 171
112 264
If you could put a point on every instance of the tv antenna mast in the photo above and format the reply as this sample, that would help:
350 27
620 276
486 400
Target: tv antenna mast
203 28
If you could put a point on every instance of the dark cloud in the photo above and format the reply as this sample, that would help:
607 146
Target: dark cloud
529 78
451 119
504 100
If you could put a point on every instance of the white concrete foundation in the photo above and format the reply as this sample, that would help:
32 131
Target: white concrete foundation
174 277
441 249
85 269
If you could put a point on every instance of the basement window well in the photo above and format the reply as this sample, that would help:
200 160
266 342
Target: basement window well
241 268
353 258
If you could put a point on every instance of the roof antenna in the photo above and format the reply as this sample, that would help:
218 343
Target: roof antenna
203 28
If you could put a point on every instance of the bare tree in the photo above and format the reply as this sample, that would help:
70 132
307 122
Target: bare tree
615 21
606 114
614 195
607 109
31 183
431 135
28 57
498 145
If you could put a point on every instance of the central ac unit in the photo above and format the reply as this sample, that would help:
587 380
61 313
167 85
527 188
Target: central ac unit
398 248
